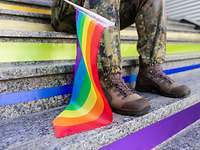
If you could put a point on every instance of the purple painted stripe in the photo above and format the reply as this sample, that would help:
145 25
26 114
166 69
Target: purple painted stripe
155 134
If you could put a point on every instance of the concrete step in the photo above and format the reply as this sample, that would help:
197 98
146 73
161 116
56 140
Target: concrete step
35 131
25 77
126 35
35 9
187 139
172 24
11 25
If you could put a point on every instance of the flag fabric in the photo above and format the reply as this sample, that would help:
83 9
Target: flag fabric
88 108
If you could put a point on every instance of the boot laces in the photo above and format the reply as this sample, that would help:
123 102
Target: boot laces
158 73
119 84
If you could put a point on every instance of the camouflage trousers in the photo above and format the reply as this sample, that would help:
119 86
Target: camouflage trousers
148 15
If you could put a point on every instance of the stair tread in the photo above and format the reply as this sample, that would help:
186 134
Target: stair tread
126 35
35 131
187 139
37 25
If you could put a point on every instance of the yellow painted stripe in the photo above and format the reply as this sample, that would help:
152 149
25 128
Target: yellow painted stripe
24 26
26 9
87 107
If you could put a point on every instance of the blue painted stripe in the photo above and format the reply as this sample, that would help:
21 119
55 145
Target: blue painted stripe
21 97
181 69
37 94
132 78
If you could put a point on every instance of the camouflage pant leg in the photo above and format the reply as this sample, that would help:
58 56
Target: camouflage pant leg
63 16
109 54
151 28
149 16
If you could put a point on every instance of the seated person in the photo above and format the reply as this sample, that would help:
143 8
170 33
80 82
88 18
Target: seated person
149 16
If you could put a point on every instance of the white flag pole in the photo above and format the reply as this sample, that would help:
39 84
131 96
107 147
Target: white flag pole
105 22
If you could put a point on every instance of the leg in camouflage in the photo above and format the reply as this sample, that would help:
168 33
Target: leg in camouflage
122 99
149 16
151 27
150 22
110 47
63 16
150 19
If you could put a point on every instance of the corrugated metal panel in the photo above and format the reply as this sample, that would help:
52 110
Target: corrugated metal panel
180 9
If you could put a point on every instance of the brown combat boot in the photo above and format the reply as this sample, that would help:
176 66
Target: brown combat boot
121 98
152 79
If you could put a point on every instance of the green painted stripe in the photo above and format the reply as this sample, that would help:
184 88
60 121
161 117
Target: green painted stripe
129 50
15 52
18 52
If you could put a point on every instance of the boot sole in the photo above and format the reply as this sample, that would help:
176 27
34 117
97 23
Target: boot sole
139 89
132 113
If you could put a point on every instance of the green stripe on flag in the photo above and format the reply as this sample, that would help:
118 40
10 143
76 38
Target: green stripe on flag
19 52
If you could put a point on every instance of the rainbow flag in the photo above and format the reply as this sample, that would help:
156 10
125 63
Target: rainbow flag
88 108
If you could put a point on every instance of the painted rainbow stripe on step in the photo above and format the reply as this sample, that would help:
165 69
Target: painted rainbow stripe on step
88 108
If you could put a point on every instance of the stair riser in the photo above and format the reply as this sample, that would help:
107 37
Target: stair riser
27 84
24 19
25 14
14 111
44 77
37 82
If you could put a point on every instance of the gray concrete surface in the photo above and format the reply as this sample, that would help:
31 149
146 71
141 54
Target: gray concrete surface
188 139
35 131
